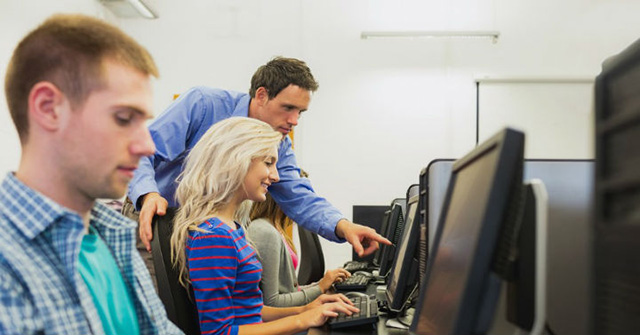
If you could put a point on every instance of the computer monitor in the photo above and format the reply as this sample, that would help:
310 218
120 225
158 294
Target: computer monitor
394 230
383 232
570 188
371 216
412 190
402 202
616 231
423 242
462 284
434 179
525 291
386 228
404 272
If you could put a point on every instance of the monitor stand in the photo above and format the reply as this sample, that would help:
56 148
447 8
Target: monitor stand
531 318
407 317
542 203
526 301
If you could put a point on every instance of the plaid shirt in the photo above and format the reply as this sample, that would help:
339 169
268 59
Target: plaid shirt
41 291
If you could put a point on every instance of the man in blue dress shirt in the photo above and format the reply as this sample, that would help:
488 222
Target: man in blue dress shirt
280 91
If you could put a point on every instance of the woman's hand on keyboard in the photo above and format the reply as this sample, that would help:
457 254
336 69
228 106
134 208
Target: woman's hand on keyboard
317 316
328 298
331 276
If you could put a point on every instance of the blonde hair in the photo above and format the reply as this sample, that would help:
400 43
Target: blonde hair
214 170
270 210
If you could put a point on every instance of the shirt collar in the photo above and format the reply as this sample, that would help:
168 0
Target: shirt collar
32 212
242 107
103 217
29 210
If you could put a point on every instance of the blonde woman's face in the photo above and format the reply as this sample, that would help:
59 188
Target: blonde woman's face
261 174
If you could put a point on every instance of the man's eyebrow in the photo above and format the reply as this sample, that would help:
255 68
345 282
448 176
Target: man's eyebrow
293 106
136 110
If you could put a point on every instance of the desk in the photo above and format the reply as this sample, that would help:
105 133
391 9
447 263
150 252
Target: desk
377 329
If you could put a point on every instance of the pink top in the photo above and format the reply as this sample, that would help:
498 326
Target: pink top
294 256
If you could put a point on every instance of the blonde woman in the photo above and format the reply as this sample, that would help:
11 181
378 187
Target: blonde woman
279 258
233 162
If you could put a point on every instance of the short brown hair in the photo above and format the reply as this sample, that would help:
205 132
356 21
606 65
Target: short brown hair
281 72
68 51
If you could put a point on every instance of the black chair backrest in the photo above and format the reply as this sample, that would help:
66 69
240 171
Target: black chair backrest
178 302
312 258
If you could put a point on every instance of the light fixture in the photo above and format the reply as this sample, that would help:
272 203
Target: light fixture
419 34
131 8
534 80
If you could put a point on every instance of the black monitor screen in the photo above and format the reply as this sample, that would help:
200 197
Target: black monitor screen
394 230
405 261
385 233
460 291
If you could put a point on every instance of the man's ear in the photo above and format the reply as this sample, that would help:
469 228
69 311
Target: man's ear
262 95
46 102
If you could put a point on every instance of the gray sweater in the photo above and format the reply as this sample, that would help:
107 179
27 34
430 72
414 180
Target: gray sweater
279 284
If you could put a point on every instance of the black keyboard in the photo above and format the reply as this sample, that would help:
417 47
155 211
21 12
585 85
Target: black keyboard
357 282
353 266
368 314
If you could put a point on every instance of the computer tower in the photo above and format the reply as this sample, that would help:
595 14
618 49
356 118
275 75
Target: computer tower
616 255
370 216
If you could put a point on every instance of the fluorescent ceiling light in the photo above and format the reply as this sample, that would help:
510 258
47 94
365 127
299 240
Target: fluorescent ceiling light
415 34
131 8
535 80
143 9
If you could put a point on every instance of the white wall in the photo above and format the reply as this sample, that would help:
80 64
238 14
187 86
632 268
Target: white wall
17 18
549 112
385 108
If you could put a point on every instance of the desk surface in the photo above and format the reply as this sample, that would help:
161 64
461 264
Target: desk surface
375 329
378 329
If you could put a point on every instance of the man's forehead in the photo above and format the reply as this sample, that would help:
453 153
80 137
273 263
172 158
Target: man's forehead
299 99
127 88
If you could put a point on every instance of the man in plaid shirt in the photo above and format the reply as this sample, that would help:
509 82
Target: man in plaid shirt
79 93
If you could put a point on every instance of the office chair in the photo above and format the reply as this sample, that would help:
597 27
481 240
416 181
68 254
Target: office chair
312 258
178 302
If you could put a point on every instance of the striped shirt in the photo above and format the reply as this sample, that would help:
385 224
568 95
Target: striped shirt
225 274
41 290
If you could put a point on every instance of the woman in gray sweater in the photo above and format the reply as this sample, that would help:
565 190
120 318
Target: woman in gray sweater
279 259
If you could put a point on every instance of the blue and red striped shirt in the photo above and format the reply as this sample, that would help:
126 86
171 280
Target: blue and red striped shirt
225 275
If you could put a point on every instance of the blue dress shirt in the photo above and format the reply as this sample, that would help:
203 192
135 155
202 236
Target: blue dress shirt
180 127
41 290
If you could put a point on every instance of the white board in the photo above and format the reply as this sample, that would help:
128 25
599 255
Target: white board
556 114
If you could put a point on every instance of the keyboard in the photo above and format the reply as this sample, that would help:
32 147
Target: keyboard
353 266
357 282
368 314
